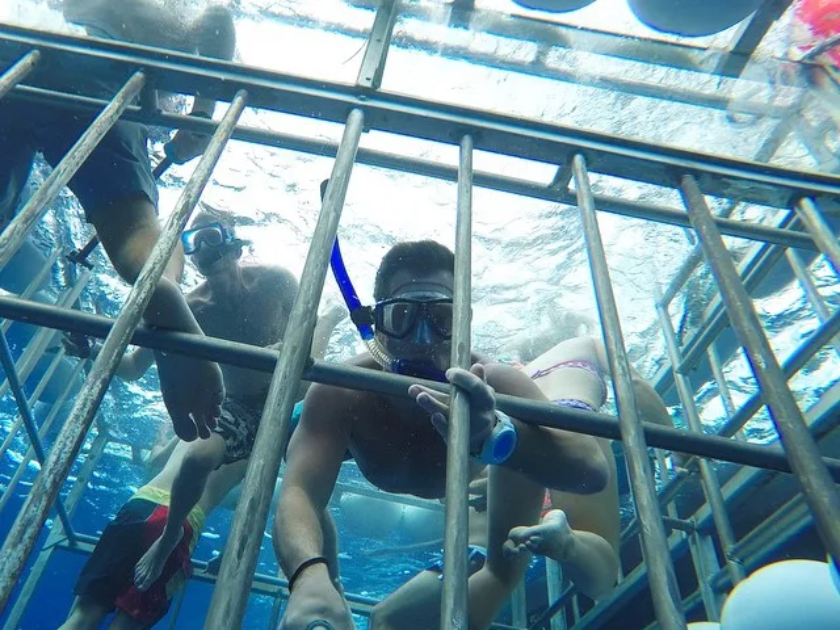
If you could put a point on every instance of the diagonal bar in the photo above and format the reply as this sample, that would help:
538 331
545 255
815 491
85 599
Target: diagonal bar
820 230
818 487
18 72
22 224
454 613
23 535
663 582
230 597
8 364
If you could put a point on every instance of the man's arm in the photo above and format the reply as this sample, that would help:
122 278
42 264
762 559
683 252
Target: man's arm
313 463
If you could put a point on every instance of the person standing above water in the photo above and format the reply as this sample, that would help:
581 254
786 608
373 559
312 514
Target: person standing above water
115 185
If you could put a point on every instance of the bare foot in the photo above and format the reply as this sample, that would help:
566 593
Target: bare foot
552 538
193 392
150 566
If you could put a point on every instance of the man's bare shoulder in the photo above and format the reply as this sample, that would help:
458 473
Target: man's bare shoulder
269 276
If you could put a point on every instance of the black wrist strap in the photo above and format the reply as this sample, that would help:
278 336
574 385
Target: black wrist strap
305 565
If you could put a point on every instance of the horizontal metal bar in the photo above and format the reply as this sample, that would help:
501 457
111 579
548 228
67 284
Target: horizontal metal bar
429 168
18 72
392 113
243 355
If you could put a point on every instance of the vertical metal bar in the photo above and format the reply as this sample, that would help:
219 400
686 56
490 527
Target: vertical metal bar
230 597
663 582
182 593
24 532
802 451
56 535
17 230
454 604
48 421
554 582
379 42
711 487
8 364
18 72
720 379
519 606
810 289
820 230
705 566
36 395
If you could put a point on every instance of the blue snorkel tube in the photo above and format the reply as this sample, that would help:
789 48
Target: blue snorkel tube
362 317
359 314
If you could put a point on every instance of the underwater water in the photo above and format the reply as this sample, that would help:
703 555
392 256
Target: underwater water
531 277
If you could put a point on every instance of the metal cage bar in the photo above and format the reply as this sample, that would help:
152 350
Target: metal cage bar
454 608
711 487
41 339
821 232
517 137
8 364
23 223
227 607
22 537
545 414
378 45
428 168
799 445
663 581
18 72
45 427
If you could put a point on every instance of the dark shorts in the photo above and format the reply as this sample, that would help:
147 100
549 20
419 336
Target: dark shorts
108 576
238 427
476 557
118 168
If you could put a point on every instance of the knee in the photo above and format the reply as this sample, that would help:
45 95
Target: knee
201 461
380 618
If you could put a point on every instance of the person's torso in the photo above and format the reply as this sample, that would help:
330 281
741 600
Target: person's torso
250 317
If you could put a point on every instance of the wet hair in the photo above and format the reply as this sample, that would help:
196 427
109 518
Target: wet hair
416 257
214 33
208 214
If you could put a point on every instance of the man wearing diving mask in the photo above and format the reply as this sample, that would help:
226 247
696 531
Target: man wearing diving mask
144 554
398 442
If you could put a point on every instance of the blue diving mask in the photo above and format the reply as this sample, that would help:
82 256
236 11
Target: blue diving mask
213 235
395 317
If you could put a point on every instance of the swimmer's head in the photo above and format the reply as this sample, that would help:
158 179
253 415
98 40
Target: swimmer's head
211 257
413 312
